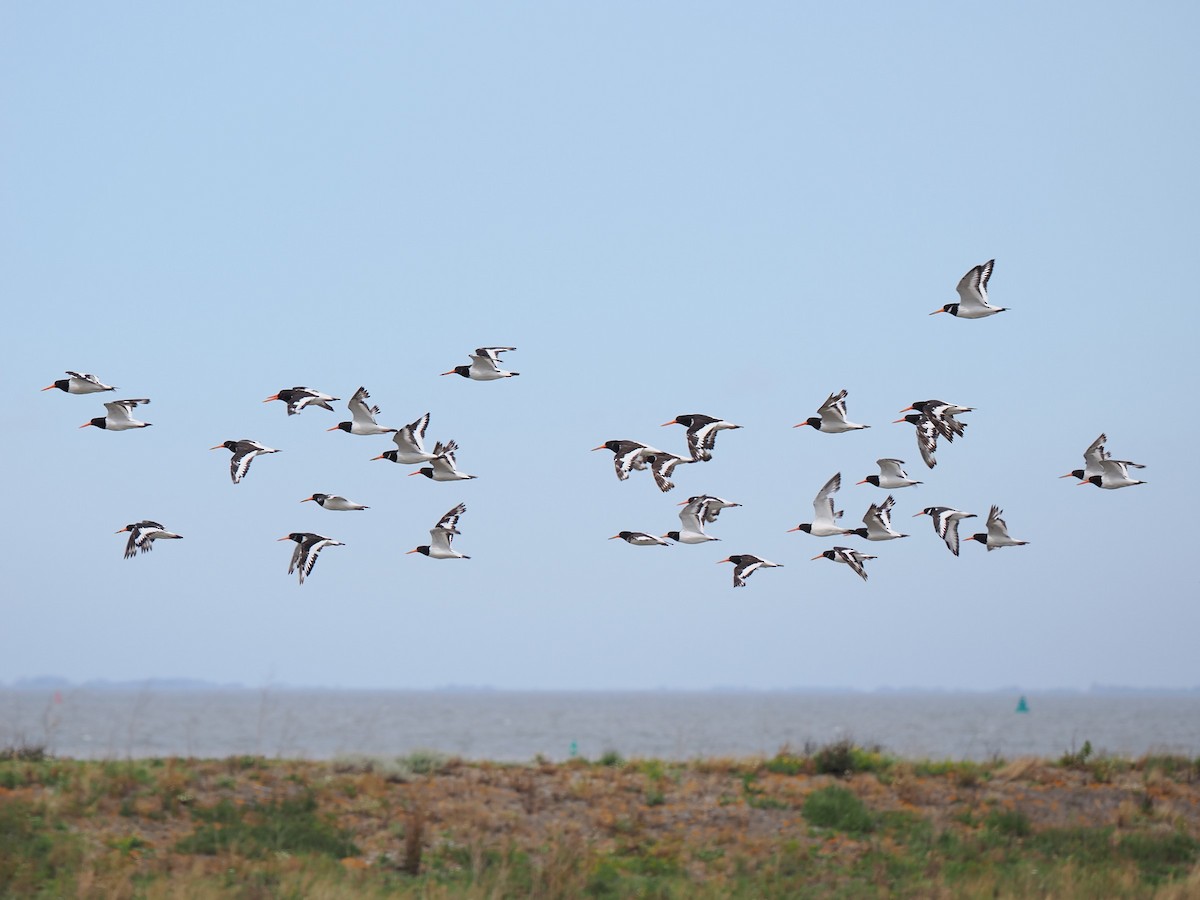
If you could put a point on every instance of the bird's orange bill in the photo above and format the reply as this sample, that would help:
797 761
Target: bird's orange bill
85 424
286 537
906 409
898 421
334 428
451 372
936 311
218 447
126 528
801 425
818 556
52 387
414 550
864 481
921 513
601 447
380 456
790 530
664 424
727 559
1068 475
306 499
272 397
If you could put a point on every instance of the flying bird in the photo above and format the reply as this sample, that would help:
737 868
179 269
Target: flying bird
640 539
878 522
485 365
691 523
119 416
308 545
997 533
80 383
927 436
824 523
662 465
298 398
701 433
850 557
745 565
891 475
410 444
244 452
629 456
831 417
942 415
334 502
362 416
142 536
945 523
442 535
712 506
1114 473
972 295
443 466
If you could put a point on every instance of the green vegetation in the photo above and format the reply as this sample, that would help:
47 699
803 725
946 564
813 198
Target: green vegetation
839 820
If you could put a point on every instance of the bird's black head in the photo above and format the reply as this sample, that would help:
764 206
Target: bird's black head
98 422
1095 479
423 549
390 455
814 421
229 445
345 426
427 471
806 528
464 371
912 418
673 535
951 308
62 384
614 446
297 536
1078 473
624 535
829 554
861 532
871 479
320 498
982 536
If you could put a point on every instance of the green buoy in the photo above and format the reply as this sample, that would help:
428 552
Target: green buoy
1022 706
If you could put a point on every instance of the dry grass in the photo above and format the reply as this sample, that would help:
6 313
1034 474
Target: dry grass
248 827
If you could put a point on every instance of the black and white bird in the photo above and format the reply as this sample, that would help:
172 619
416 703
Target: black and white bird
308 545
1114 473
745 565
972 295
629 456
712 506
662 465
443 466
691 523
850 557
878 522
80 383
927 436
410 444
824 523
891 475
942 415
442 535
142 536
334 502
244 452
119 416
362 417
831 417
997 533
701 433
1092 457
485 365
945 523
640 539
299 398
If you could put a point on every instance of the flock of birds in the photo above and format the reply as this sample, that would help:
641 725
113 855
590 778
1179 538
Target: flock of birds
934 421
410 450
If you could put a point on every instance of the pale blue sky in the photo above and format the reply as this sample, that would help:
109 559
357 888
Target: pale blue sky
723 208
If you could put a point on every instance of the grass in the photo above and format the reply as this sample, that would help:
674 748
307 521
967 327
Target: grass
839 820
